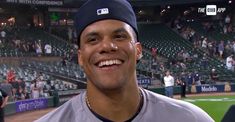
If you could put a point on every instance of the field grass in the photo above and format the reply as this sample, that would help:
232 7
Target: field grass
215 106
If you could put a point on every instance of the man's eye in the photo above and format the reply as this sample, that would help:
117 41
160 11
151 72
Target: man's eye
92 40
120 36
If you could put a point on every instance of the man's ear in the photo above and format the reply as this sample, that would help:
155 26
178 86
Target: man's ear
139 54
80 62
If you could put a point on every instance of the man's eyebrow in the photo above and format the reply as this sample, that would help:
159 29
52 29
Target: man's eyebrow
120 30
94 33
91 34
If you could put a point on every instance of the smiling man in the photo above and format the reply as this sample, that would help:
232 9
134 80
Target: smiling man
108 53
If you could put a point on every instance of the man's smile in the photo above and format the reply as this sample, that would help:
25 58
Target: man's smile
108 64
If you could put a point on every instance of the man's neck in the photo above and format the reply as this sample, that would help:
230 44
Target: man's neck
115 105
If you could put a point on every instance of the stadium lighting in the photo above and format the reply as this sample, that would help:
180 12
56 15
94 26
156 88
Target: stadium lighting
3 24
141 12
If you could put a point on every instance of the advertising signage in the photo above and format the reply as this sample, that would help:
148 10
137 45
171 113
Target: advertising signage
37 2
213 88
28 105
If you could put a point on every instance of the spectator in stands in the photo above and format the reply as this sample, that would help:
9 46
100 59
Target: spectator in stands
189 78
70 34
210 48
20 94
196 78
154 65
180 56
75 37
71 55
195 57
230 63
57 85
52 84
28 90
154 52
66 87
47 88
204 61
214 76
228 48
61 85
11 76
179 65
38 48
204 44
182 82
169 84
41 86
1 44
21 83
31 47
108 53
74 86
227 20
177 23
17 44
35 89
48 49
3 102
25 47
230 28
64 61
221 49
27 93
186 56
3 35
7 87
162 68
225 29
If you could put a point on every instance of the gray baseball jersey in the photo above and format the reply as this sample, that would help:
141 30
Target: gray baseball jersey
156 108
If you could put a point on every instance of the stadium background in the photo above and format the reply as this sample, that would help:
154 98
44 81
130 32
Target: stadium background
171 32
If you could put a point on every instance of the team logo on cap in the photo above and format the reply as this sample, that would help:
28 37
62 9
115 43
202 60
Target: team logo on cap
102 11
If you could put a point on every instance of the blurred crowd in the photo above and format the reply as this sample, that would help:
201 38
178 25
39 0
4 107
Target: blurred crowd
18 89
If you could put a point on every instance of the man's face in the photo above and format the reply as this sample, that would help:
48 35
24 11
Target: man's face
167 73
108 53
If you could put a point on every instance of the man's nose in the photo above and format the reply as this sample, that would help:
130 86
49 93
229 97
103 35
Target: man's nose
108 46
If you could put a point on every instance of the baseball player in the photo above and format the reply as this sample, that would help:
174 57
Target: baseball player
108 53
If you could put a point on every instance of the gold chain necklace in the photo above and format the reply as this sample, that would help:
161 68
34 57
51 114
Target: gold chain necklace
89 106
88 103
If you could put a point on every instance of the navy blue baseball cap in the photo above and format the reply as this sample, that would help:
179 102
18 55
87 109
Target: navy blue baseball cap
96 10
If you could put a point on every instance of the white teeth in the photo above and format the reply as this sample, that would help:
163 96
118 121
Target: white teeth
112 62
118 62
109 62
